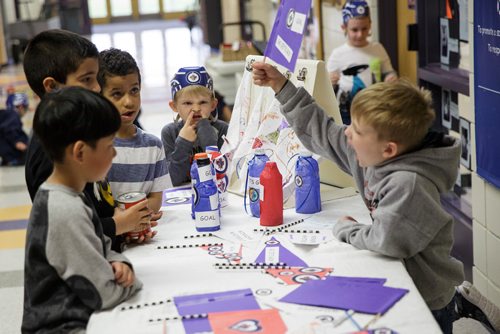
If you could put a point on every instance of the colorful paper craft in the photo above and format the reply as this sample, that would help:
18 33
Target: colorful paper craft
297 275
274 252
347 294
258 321
230 253
235 300
286 37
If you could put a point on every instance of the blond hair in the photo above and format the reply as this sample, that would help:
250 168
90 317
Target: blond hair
193 90
398 111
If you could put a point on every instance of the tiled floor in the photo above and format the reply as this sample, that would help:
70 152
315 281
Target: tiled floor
160 48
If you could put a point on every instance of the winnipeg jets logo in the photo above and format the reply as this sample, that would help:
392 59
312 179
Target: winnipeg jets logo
290 17
193 77
247 326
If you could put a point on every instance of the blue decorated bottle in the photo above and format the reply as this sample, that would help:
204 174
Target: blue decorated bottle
206 198
255 167
307 193
195 178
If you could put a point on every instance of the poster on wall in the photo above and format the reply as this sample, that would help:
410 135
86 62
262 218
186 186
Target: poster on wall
445 108
465 142
487 89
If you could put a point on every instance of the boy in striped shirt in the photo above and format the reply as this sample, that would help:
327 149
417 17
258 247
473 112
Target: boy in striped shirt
139 165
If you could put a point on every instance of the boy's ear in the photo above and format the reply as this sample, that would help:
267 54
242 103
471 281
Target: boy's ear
391 150
343 27
77 151
214 103
172 105
50 84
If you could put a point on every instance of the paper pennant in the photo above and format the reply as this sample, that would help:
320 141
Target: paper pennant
274 252
297 275
258 321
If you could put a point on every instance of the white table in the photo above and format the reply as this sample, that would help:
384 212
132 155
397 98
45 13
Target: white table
174 272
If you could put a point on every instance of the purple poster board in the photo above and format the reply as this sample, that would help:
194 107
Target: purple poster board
288 29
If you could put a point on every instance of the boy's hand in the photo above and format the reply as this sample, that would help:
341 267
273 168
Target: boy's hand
349 219
131 218
20 146
123 274
188 131
334 77
267 75
148 236
391 77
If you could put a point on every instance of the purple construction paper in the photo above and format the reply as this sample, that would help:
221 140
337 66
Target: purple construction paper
285 256
283 36
354 280
235 300
365 298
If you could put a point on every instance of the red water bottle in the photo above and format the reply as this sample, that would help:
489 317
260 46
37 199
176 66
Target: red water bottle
271 196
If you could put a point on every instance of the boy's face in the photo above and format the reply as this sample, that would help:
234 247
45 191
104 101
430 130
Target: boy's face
201 105
125 93
85 76
98 160
357 31
363 138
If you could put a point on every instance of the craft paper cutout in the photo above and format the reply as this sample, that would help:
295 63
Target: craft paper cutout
377 331
176 196
258 321
235 300
288 29
274 252
232 254
297 275
347 294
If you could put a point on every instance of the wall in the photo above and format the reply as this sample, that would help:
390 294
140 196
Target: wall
407 59
485 209
28 11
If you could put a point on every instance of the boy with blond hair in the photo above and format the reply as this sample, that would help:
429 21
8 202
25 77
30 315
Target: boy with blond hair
400 169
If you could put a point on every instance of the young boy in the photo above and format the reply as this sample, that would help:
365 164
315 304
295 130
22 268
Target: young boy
400 169
140 160
194 101
70 270
358 62
13 139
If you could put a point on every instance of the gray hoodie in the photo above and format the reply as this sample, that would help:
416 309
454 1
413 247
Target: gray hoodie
402 194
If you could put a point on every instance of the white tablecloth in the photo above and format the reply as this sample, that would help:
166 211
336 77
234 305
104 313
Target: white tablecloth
167 273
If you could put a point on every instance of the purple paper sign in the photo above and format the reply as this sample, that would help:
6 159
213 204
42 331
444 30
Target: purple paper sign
235 300
288 29
365 297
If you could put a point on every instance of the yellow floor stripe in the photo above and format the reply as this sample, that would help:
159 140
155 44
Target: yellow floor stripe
15 212
12 239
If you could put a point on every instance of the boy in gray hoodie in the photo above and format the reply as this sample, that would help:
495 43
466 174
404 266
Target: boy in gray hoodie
400 169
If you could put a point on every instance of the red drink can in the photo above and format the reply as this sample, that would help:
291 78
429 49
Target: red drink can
127 200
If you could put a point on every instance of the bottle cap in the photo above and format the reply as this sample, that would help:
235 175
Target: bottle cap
260 151
200 156
211 148
203 161
305 154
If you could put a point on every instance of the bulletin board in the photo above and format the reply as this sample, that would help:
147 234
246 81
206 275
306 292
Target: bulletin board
487 88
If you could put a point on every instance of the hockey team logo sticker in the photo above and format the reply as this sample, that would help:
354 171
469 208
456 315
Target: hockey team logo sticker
193 77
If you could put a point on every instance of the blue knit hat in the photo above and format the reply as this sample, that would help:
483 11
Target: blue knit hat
188 76
20 99
355 8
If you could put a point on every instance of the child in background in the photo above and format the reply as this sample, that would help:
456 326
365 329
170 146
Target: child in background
73 62
194 128
358 62
70 269
140 160
391 154
13 139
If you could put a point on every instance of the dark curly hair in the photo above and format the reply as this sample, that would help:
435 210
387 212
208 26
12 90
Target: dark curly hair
116 62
